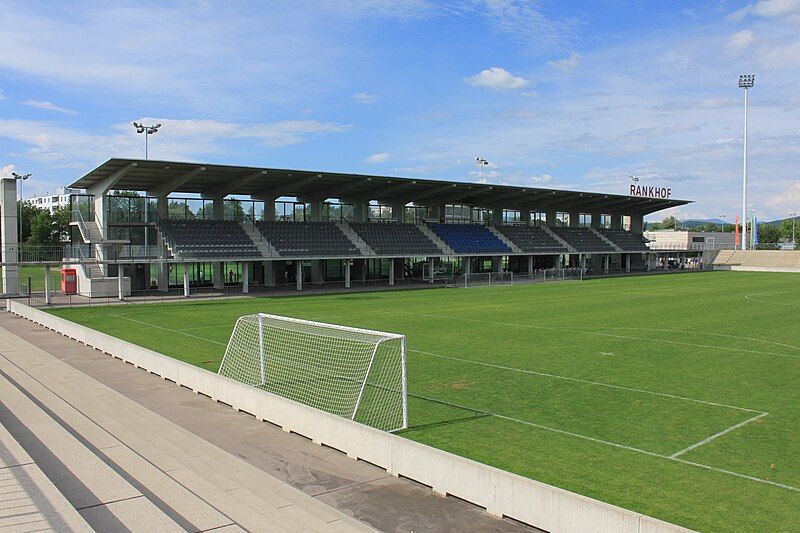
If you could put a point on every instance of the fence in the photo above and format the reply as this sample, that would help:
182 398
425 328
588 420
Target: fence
501 493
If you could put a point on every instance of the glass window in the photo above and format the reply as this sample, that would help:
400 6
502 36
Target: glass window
538 218
562 219
511 216
626 222
584 220
481 215
605 221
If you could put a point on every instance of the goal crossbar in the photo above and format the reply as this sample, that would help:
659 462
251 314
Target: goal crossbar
355 373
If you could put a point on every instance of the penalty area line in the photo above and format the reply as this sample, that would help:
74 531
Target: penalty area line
716 435
552 429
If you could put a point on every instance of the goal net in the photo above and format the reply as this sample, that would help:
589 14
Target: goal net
358 374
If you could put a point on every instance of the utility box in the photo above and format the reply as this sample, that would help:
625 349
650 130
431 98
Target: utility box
69 281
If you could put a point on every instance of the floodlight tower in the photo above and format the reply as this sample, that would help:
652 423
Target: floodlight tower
481 162
794 217
722 217
148 131
746 82
20 178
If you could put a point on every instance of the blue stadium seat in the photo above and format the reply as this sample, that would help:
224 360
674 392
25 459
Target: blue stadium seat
469 238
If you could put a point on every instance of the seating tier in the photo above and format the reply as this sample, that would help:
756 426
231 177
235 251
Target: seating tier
307 239
583 239
626 240
469 238
532 239
389 238
207 238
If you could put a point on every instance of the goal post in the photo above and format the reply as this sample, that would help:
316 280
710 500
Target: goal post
354 373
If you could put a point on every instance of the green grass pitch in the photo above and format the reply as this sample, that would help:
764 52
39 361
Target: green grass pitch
676 396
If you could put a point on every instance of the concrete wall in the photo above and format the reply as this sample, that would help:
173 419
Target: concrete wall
500 492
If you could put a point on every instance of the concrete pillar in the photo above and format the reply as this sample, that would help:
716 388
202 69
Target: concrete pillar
246 277
9 235
315 205
47 289
219 274
497 264
595 218
607 263
163 277
399 268
627 262
269 273
186 279
316 271
391 272
269 209
574 219
299 274
162 207
399 211
218 208
550 218
637 223
466 265
360 269
497 215
359 210
346 273
120 282
530 264
616 221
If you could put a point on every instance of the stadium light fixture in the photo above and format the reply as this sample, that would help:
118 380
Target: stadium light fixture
481 162
794 218
20 178
722 217
746 82
148 131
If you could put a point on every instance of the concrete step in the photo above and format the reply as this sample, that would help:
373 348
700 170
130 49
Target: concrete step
436 239
28 500
508 242
204 485
100 494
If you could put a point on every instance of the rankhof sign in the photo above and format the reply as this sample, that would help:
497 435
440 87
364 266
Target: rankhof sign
650 191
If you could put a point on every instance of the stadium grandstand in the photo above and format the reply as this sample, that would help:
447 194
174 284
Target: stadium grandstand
175 224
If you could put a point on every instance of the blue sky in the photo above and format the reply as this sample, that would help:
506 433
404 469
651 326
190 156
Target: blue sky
575 95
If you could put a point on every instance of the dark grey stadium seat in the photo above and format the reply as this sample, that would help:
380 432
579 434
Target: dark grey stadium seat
532 239
393 238
307 239
207 239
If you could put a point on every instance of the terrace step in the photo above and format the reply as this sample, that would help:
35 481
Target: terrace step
164 468
606 239
435 238
564 243
261 242
355 238
514 248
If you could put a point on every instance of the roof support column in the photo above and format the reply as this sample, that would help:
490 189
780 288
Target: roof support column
347 263
596 219
616 221
299 274
399 211
245 277
574 219
269 209
637 223
550 217
186 280
218 208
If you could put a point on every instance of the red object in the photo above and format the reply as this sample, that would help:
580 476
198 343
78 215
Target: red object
736 231
69 281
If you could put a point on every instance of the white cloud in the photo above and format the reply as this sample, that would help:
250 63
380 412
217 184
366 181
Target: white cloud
178 139
380 157
365 98
523 21
5 172
741 40
568 63
498 79
2 96
49 106
767 9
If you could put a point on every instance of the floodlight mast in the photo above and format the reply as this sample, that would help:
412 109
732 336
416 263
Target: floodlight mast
746 82
481 162
20 178
794 217
148 131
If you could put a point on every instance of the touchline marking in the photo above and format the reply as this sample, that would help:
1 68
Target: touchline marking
169 329
715 435
708 333
597 333
560 431
750 297
586 381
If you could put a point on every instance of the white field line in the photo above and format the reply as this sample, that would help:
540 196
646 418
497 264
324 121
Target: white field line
750 297
586 381
705 333
597 333
715 435
561 431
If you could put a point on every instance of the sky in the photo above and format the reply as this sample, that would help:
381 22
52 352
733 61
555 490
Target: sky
557 94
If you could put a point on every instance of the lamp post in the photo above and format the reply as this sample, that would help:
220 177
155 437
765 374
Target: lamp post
481 162
722 217
148 131
794 217
20 178
746 82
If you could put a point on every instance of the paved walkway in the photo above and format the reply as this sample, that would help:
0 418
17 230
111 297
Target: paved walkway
195 464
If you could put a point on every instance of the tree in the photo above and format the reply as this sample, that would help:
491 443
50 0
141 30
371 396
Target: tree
768 233
61 219
43 230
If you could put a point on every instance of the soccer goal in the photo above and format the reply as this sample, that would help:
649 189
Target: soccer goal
355 373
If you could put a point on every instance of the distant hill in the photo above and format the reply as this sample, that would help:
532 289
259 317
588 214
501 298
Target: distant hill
691 223
779 221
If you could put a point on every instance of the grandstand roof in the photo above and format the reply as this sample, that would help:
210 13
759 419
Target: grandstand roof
211 180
